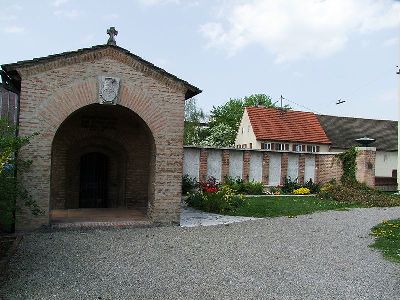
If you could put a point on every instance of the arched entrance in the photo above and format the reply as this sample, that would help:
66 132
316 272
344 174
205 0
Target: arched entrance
102 159
93 180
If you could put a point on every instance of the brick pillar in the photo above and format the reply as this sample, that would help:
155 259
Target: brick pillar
225 164
246 165
302 167
284 167
203 165
366 165
265 168
317 169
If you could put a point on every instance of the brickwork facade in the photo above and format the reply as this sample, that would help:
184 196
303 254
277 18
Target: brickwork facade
328 167
366 165
53 90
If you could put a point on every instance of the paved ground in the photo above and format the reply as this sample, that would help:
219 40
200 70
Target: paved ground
319 256
192 218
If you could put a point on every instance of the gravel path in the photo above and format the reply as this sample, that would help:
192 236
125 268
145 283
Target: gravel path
319 256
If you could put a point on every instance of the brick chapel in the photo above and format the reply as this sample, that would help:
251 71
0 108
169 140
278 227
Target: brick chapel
109 135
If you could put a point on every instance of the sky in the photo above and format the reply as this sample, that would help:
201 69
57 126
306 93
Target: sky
312 52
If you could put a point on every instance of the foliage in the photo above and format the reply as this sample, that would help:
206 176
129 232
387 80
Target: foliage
188 184
349 165
301 191
312 186
194 133
230 115
211 185
387 239
223 200
290 185
220 135
276 206
10 187
355 192
242 187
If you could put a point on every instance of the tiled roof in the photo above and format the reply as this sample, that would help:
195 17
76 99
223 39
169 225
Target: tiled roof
343 131
288 125
192 90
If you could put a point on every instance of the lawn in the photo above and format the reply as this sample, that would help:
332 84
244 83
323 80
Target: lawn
387 239
288 206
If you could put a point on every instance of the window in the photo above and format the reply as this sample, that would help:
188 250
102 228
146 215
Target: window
251 145
242 130
244 146
266 146
312 148
299 148
248 128
281 147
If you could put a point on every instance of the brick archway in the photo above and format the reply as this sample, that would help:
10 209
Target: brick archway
54 89
115 132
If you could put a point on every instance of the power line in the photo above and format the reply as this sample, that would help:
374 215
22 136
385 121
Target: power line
295 103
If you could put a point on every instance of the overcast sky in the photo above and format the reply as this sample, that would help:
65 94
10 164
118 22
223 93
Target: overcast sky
313 52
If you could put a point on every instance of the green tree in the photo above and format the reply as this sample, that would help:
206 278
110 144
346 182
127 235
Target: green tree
194 132
230 114
10 187
219 135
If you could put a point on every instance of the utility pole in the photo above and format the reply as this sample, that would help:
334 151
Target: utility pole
398 134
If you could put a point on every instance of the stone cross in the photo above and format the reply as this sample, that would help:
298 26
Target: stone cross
112 33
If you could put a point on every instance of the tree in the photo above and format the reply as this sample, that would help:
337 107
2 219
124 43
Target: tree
230 114
219 136
10 187
194 133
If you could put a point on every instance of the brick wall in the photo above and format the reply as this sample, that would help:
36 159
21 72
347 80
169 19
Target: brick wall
51 91
327 166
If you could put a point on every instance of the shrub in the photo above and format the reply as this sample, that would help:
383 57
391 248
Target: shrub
241 187
210 186
355 192
301 191
313 187
10 187
289 185
189 184
253 188
222 201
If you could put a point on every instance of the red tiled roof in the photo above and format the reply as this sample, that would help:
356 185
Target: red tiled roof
292 126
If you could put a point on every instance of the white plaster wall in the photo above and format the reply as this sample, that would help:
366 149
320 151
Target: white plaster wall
293 166
255 172
214 164
385 163
236 164
191 162
275 169
248 135
309 168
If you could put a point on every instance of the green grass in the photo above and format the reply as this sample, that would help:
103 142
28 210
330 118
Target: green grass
387 239
288 206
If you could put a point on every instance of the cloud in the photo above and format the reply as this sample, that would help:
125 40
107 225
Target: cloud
13 29
158 2
294 30
391 42
163 2
71 14
7 17
58 3
112 16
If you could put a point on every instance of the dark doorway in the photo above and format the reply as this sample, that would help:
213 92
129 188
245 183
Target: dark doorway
93 180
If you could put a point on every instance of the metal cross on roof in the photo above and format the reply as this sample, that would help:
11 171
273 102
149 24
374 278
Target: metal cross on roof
112 33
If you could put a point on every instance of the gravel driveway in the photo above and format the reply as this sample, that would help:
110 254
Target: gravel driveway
319 256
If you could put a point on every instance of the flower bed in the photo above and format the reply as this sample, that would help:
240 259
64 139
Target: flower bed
215 197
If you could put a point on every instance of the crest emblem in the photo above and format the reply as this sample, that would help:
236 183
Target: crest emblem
108 89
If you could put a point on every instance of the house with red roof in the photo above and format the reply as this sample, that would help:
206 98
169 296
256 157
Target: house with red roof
281 130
